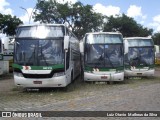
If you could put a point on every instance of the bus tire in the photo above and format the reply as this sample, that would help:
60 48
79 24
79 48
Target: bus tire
110 82
65 89
72 80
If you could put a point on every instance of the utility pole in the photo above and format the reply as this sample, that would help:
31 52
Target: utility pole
27 13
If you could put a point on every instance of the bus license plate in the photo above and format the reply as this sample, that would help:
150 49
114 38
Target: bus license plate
139 73
37 82
103 77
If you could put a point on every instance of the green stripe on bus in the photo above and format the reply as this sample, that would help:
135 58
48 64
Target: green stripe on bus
40 67
104 69
140 66
17 66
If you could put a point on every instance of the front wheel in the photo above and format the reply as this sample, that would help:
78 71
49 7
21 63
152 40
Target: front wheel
72 80
110 82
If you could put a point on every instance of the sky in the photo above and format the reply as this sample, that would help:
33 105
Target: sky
145 12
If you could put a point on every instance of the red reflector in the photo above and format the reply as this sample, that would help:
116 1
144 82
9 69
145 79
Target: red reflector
103 77
37 82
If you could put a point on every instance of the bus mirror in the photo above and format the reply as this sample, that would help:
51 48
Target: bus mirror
81 47
125 46
66 42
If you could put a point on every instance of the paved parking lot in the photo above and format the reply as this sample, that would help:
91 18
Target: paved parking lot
133 95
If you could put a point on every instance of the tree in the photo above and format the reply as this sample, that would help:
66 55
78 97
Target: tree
79 18
156 38
8 24
87 21
47 12
127 26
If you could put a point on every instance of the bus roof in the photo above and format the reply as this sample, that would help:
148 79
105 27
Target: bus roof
131 38
111 33
29 25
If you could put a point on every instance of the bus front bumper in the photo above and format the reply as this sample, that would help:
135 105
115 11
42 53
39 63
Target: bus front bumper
59 81
138 73
104 77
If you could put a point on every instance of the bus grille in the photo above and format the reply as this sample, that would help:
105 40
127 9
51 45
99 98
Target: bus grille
39 75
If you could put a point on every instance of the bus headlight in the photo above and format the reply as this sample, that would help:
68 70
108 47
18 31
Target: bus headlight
118 71
58 74
18 74
88 71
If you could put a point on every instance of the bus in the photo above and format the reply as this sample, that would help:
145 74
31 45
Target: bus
157 54
1 49
45 55
1 57
139 56
4 64
103 57
8 46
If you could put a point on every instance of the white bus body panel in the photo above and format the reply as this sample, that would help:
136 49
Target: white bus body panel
136 72
4 67
139 72
55 81
108 76
59 81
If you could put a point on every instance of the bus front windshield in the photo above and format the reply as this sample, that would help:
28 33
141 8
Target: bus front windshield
39 52
141 56
140 52
104 51
1 46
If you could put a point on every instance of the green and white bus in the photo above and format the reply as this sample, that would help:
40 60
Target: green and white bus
139 56
4 63
45 55
103 57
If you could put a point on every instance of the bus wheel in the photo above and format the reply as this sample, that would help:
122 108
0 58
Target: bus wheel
65 89
72 80
126 77
25 90
110 82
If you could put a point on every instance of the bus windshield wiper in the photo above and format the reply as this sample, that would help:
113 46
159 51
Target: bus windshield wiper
32 56
42 56
110 60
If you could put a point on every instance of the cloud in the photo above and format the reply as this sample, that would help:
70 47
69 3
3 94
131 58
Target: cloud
155 23
156 19
106 10
27 15
136 13
3 9
158 29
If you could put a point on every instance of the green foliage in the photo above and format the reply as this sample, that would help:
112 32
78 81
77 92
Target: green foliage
80 18
127 26
8 24
156 38
87 21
